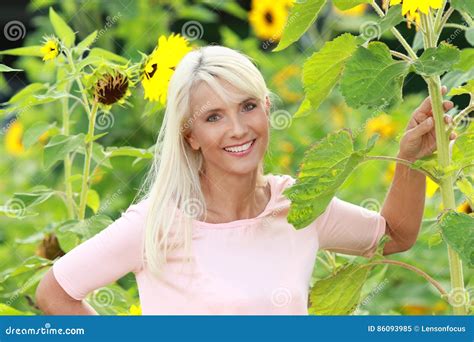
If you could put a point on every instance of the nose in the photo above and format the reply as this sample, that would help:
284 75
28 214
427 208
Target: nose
239 128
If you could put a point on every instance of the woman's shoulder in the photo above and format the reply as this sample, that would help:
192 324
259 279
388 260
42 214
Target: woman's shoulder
279 182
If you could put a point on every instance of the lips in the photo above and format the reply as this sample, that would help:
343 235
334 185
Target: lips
240 148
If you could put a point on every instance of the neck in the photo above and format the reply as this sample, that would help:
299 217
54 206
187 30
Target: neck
231 197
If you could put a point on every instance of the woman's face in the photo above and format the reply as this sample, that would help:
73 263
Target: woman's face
233 137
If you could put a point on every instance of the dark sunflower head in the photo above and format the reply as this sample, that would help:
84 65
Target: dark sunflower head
111 88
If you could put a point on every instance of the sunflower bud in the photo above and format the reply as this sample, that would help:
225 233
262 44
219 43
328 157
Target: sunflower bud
111 89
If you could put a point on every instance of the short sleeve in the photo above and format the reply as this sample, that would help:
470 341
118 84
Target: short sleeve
349 229
104 258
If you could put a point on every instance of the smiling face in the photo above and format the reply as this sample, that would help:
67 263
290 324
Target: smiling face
232 136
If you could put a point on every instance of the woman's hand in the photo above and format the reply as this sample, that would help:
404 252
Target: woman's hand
419 139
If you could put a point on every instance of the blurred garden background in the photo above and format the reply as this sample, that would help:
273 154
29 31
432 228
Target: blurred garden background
31 230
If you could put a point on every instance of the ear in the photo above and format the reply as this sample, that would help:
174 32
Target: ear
267 105
192 141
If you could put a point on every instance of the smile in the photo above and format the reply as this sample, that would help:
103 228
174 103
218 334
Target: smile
240 150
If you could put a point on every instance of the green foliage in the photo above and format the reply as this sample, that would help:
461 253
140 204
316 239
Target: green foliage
324 169
62 29
458 232
339 294
302 16
372 78
323 69
436 61
59 146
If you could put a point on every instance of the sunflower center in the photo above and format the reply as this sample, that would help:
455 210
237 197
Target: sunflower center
268 17
154 66
111 89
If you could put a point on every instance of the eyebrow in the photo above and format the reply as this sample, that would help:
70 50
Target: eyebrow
220 109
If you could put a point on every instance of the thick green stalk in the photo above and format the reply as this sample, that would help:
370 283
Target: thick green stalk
87 161
446 182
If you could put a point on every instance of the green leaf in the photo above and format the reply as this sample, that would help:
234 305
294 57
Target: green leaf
392 18
348 4
34 51
86 43
436 61
372 78
59 146
463 153
338 294
302 16
62 29
67 240
464 5
36 196
5 68
304 108
128 152
7 310
93 200
466 60
458 232
110 56
26 94
33 133
87 228
466 188
465 89
324 169
323 69
32 263
469 34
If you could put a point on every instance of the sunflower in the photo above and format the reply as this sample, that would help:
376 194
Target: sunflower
109 84
413 8
382 124
13 139
160 66
352 12
50 48
268 18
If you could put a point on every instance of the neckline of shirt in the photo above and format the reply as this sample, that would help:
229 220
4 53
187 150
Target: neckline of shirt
244 222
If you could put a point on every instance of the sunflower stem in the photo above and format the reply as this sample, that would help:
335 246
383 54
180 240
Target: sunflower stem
67 158
446 182
396 33
87 161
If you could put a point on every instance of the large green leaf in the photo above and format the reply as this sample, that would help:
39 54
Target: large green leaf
323 69
6 310
436 61
87 228
35 196
324 169
33 133
338 294
86 43
302 16
62 29
466 60
6 68
463 151
464 5
458 232
32 263
34 51
128 151
372 78
59 146
107 55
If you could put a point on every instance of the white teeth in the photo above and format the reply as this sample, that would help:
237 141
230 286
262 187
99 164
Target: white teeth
239 148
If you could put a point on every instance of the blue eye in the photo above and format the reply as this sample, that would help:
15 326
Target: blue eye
211 116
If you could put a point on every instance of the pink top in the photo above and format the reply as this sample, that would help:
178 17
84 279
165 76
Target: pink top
258 266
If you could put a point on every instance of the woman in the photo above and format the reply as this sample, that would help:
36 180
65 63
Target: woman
210 236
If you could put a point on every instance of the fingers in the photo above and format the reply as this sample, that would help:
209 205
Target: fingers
422 128
425 106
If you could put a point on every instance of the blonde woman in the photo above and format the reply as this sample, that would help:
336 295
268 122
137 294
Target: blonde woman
210 235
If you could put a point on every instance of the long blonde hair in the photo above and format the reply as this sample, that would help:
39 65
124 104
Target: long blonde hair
173 183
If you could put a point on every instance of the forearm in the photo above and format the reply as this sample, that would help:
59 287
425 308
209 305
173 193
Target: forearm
61 307
403 208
